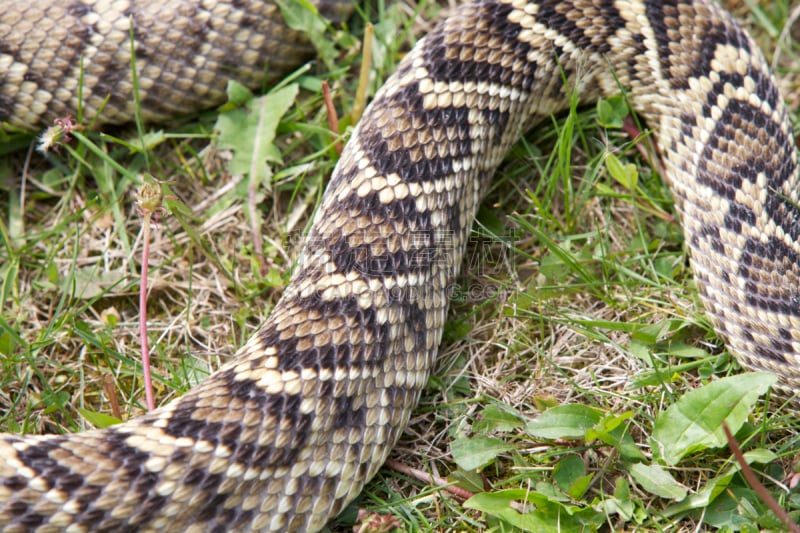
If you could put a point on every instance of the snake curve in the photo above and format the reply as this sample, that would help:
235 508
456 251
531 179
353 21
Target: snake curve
282 437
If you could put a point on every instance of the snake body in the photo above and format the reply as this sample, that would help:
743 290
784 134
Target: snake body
282 437
65 58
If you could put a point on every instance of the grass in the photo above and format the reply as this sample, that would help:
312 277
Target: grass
575 292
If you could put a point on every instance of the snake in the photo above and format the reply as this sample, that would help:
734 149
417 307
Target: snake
284 435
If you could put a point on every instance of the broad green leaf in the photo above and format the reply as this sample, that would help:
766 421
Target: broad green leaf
238 95
719 484
621 503
735 510
87 283
613 431
694 422
611 112
476 452
545 515
760 455
570 474
606 425
658 481
273 278
626 175
498 418
303 16
564 422
54 400
8 343
653 333
9 282
704 496
686 351
249 130
568 469
581 485
148 141
472 480
99 420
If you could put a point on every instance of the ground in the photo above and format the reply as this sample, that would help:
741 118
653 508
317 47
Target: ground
576 290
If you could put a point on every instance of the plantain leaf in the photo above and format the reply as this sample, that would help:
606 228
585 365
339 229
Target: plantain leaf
694 422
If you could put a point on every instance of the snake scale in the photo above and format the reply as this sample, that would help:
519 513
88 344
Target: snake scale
282 437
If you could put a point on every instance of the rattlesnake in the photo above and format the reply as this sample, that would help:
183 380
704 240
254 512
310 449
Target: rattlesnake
287 433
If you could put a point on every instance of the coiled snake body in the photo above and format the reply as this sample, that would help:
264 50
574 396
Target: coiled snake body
284 435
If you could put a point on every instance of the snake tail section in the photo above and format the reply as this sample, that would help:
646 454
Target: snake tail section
59 58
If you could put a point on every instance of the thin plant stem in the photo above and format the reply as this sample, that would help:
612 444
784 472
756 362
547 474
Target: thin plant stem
148 380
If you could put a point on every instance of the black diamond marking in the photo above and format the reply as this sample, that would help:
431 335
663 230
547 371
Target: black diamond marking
553 14
775 255
772 352
784 212
656 11
348 355
32 520
492 22
713 34
738 213
15 483
454 223
132 463
331 356
346 415
249 21
765 91
114 72
183 424
206 482
743 119
387 161
78 9
70 482
17 508
140 32
362 259
131 467
79 34
84 498
404 211
711 235
202 478
33 76
6 107
212 508
782 346
7 49
633 59
93 517
38 459
777 164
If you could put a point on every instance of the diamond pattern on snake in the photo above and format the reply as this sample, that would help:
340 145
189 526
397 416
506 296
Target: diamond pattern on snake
284 434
